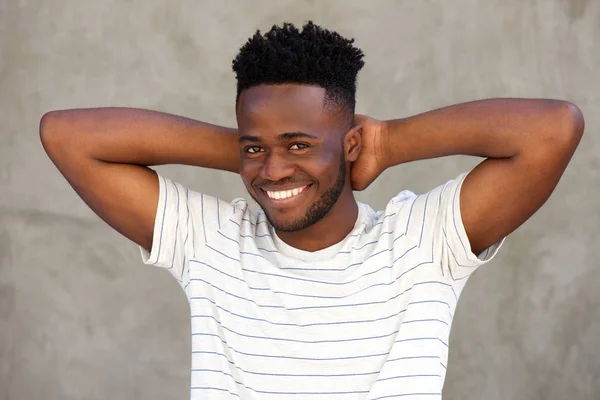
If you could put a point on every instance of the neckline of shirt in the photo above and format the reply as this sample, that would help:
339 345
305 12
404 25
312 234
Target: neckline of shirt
319 255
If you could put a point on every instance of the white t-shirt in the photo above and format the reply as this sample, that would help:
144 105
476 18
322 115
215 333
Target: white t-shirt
368 318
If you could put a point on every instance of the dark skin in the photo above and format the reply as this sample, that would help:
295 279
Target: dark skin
276 155
527 144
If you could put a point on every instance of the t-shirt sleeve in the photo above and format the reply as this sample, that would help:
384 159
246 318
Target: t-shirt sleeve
436 222
456 254
173 234
184 219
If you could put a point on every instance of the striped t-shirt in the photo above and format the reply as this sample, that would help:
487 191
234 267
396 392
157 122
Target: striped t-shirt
367 318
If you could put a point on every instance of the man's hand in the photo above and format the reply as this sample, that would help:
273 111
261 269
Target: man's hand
371 161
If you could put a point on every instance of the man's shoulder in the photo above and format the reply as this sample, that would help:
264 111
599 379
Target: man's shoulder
215 212
387 218
404 215
403 198
207 202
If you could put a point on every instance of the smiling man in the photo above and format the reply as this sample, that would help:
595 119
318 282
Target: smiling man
315 295
295 168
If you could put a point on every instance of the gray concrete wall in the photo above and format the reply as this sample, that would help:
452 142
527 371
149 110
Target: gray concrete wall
82 318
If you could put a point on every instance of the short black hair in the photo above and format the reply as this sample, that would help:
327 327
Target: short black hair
313 56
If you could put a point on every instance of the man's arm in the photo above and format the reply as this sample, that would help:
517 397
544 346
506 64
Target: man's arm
103 153
527 142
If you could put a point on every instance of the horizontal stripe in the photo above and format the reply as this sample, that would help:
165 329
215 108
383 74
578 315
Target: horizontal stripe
259 319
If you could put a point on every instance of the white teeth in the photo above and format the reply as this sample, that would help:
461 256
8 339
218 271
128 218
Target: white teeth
286 193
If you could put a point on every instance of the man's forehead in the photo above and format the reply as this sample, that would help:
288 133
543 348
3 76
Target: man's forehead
258 98
286 108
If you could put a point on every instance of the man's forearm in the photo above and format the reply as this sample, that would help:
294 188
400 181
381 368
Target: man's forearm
143 137
493 128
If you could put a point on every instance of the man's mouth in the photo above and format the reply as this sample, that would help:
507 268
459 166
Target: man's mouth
288 196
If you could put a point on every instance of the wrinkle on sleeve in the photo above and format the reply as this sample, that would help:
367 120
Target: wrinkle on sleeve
456 255
433 222
173 237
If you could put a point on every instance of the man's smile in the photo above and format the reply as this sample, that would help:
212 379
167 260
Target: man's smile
276 196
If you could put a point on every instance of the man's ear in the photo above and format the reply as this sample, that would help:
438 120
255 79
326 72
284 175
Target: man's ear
353 143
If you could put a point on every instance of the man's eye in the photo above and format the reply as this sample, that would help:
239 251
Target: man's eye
252 149
301 146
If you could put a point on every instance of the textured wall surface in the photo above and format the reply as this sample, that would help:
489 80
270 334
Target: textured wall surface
82 318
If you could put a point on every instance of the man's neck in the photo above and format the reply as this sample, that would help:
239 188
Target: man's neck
331 229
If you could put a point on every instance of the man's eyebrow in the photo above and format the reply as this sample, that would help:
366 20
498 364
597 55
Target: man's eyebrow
248 138
295 135
280 138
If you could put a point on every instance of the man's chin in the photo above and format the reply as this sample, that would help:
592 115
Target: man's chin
285 225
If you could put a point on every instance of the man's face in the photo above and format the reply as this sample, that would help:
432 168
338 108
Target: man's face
291 151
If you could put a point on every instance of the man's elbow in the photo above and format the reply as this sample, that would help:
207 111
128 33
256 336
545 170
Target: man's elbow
576 122
571 123
565 127
51 128
48 122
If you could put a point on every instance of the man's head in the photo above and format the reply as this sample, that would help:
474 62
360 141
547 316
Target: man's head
295 110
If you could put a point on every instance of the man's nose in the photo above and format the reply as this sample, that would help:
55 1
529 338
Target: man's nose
276 167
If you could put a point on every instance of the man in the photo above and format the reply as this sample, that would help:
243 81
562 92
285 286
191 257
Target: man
316 296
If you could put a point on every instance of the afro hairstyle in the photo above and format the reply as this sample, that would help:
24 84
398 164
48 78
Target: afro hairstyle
314 56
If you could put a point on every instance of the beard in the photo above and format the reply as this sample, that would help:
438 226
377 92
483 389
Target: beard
317 210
